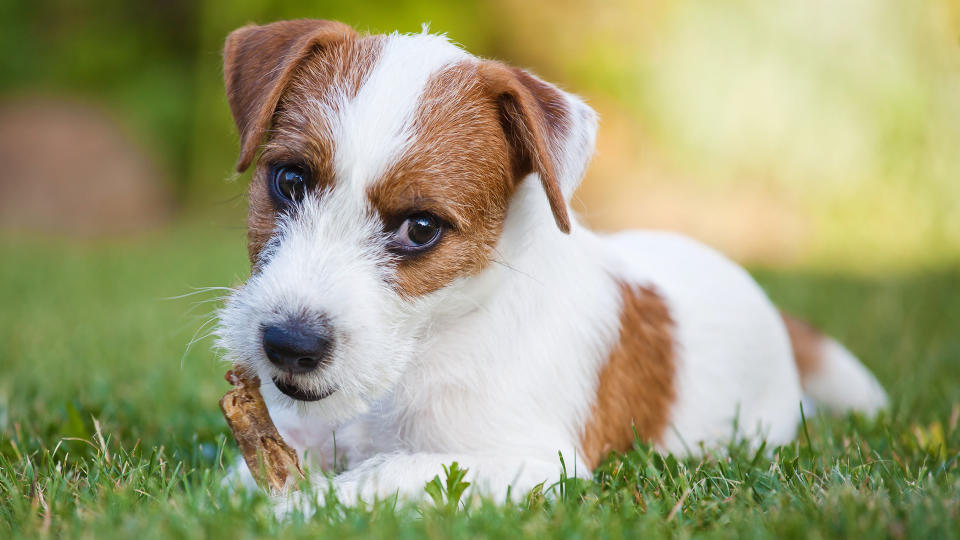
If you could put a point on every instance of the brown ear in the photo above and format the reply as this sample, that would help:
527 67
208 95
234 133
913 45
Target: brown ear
550 132
258 62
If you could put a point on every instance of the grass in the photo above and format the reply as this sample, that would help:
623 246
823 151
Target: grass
110 429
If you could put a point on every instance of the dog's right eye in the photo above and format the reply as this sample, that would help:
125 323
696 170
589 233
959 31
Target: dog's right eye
289 183
416 234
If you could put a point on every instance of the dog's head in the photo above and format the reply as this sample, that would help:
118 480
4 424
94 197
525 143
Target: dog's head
388 164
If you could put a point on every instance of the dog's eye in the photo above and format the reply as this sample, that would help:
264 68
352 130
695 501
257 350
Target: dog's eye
417 232
289 183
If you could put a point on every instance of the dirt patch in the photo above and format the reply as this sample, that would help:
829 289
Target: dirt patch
68 168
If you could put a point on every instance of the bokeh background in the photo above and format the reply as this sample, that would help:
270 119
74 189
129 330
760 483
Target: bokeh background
815 134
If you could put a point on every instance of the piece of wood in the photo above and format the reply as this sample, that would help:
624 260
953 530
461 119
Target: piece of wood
270 459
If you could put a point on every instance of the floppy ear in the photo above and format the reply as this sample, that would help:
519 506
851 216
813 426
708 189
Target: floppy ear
258 62
551 132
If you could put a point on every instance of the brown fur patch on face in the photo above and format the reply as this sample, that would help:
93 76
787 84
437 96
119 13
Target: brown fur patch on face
459 169
301 128
636 386
258 62
807 343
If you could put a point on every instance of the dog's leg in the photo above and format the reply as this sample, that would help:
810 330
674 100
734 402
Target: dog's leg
406 475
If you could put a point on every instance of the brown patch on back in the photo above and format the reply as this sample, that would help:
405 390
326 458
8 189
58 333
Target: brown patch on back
458 168
807 343
636 386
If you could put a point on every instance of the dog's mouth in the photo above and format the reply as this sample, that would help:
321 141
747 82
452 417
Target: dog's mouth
299 394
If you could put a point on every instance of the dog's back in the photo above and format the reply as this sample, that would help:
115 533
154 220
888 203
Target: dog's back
737 364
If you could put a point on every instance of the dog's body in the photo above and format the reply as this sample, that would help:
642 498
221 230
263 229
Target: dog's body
499 341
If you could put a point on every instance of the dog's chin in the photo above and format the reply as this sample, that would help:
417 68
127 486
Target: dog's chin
300 394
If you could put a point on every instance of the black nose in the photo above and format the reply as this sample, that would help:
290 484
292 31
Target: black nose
297 348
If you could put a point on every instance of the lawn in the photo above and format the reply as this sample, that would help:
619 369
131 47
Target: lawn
109 425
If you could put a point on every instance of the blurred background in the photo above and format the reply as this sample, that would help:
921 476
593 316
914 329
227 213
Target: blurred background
818 134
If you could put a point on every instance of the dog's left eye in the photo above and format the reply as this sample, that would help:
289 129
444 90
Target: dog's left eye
289 183
416 233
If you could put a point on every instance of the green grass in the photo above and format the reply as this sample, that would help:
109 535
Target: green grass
86 333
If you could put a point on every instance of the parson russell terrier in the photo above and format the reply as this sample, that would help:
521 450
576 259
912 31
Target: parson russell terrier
421 293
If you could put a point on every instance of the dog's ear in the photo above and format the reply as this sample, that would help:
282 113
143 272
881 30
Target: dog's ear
258 62
551 132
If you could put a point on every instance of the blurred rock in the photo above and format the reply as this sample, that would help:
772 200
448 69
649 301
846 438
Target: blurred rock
68 168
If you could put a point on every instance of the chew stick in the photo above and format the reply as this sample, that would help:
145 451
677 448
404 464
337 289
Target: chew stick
268 457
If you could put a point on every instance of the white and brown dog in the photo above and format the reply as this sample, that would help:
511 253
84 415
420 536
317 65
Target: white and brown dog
421 294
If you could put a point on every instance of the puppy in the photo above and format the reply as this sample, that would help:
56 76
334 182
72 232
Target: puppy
421 294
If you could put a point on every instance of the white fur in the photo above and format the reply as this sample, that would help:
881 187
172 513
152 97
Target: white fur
498 371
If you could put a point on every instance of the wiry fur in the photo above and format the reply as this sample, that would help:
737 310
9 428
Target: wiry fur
498 367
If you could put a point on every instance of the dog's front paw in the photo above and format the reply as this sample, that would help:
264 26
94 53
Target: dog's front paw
347 492
296 503
322 492
238 477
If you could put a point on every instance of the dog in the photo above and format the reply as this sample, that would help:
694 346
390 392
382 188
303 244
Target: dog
421 293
